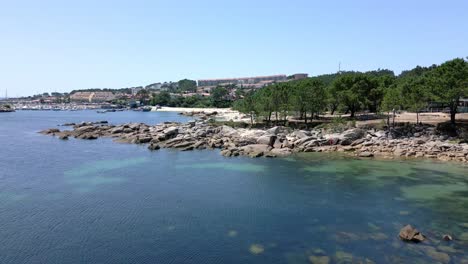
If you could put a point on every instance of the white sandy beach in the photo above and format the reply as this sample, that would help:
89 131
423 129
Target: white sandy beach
224 114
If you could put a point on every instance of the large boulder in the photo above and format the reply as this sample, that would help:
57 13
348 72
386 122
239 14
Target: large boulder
171 132
183 145
365 154
117 130
274 130
255 150
171 142
267 140
227 131
353 134
303 140
281 152
142 139
301 134
85 129
408 233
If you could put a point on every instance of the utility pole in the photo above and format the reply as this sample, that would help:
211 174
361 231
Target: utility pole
339 67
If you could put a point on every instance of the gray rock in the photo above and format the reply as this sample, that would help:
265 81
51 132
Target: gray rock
171 132
183 145
357 142
274 130
301 134
283 152
144 139
267 140
255 150
419 141
354 134
227 130
303 140
117 130
50 131
154 146
366 154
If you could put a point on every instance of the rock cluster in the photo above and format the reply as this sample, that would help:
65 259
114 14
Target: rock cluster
273 142
5 109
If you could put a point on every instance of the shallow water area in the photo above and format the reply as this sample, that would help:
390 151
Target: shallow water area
98 201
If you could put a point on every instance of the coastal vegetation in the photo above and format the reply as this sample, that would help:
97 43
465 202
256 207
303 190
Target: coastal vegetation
218 98
350 92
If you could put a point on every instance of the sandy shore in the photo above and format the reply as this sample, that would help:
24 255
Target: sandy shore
224 114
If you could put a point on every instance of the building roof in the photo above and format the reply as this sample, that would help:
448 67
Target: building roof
244 78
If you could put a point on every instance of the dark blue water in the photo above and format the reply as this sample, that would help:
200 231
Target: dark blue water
99 201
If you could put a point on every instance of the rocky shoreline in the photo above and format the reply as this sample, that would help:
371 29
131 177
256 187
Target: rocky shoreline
416 141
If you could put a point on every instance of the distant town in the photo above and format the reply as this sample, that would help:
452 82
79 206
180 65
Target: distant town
181 93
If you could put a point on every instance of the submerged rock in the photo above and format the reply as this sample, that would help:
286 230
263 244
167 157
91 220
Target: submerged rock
464 236
256 249
441 257
408 233
343 257
319 259
50 131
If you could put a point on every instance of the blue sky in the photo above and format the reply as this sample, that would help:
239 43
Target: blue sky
50 46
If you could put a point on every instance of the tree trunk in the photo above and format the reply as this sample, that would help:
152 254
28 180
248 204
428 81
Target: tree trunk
417 117
394 115
453 112
333 109
388 119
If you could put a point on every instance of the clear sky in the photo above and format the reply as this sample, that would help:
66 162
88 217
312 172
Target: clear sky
48 46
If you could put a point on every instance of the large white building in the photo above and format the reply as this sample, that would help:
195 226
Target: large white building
247 81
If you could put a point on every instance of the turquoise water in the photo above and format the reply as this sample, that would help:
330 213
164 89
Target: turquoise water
98 201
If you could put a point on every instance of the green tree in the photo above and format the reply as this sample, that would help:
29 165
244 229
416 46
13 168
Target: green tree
163 98
414 95
392 100
219 97
353 90
448 83
248 106
309 96
187 85
264 103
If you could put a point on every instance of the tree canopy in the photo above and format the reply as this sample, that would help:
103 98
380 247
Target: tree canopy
374 91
